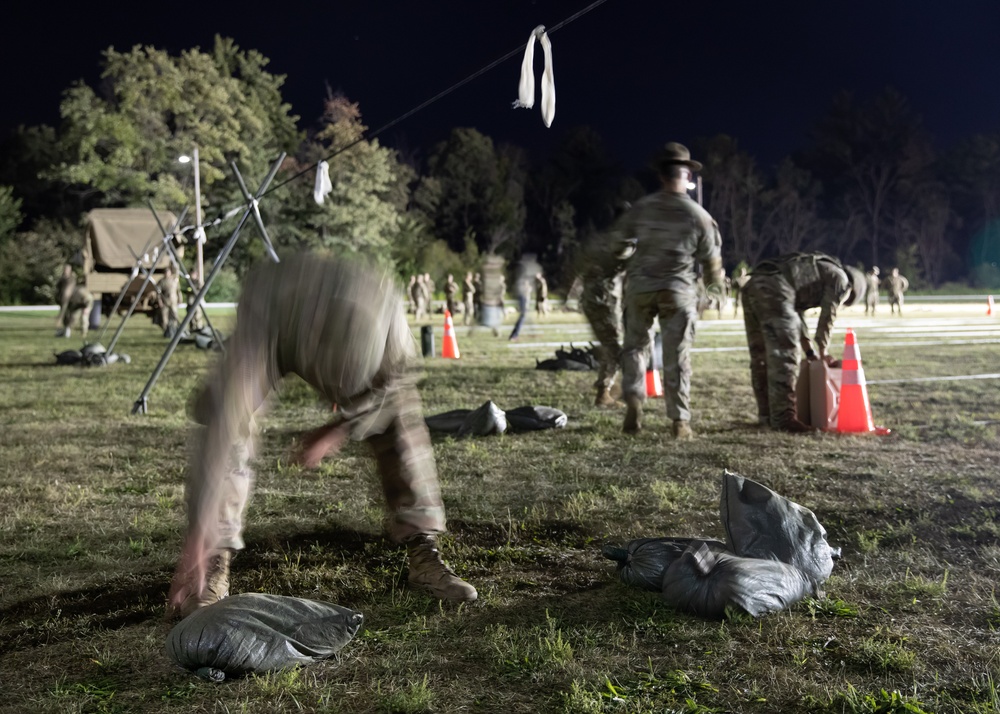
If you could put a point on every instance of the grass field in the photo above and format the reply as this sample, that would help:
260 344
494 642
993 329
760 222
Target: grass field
91 512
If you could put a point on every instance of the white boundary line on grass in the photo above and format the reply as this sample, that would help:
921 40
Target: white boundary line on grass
934 379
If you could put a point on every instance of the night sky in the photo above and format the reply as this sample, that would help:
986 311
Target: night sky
640 72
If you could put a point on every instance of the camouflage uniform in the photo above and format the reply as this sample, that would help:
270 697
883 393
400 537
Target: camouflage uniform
450 290
169 287
601 274
871 290
673 234
541 295
342 329
897 286
469 299
198 321
775 297
418 296
75 304
738 284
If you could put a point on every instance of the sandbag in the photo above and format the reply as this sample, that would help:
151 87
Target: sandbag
760 523
704 582
488 419
256 633
529 418
561 364
69 357
643 561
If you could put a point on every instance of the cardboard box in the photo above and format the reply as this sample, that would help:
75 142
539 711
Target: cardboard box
817 394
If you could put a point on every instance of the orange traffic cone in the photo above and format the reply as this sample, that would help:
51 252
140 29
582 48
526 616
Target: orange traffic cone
989 306
855 413
654 387
450 347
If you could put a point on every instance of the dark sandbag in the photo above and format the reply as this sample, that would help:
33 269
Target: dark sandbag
704 582
761 524
529 418
69 357
447 422
643 561
488 419
256 633
562 363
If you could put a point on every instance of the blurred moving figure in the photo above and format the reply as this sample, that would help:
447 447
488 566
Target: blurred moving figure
897 286
75 304
871 290
340 326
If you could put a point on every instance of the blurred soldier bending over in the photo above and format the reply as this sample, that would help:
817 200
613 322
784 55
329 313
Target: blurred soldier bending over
774 298
601 274
671 233
75 303
341 327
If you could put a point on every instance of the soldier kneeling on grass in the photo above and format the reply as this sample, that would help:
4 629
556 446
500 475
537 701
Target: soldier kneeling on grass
340 326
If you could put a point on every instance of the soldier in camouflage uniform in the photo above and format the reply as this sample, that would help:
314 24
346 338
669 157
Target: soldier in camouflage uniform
341 328
450 293
198 321
469 299
75 304
169 288
871 290
774 299
738 283
601 274
541 295
672 233
897 286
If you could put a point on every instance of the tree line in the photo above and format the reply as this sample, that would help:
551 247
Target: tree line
869 185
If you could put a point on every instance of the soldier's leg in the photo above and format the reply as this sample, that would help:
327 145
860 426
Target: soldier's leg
640 311
758 354
781 338
677 324
413 497
85 316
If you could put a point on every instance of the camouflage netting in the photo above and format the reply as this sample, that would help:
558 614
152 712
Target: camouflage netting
256 633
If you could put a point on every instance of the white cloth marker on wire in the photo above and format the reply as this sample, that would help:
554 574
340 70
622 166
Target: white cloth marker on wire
526 86
323 185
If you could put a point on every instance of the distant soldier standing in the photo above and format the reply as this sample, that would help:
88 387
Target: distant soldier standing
450 291
601 274
672 233
169 289
871 290
64 290
339 326
897 286
198 321
428 293
411 293
541 295
778 293
418 294
469 299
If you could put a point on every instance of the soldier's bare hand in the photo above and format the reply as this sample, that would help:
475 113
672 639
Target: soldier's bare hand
189 577
320 442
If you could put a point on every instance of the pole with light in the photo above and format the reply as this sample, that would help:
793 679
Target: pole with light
199 231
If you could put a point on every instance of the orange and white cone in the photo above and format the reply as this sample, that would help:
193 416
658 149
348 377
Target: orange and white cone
855 412
654 387
450 347
989 306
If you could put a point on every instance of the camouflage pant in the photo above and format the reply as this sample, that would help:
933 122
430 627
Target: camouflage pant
78 309
773 336
606 321
895 302
871 301
469 316
678 317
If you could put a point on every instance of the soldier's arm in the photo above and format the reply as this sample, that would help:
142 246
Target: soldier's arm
710 256
834 293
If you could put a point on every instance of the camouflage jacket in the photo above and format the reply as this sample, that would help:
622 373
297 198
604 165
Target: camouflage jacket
672 234
818 280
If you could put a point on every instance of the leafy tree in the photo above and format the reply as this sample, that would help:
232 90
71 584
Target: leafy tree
868 156
122 144
481 191
362 213
10 213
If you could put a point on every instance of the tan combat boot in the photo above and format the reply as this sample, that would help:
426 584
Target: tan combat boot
216 584
682 430
604 398
429 573
633 415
